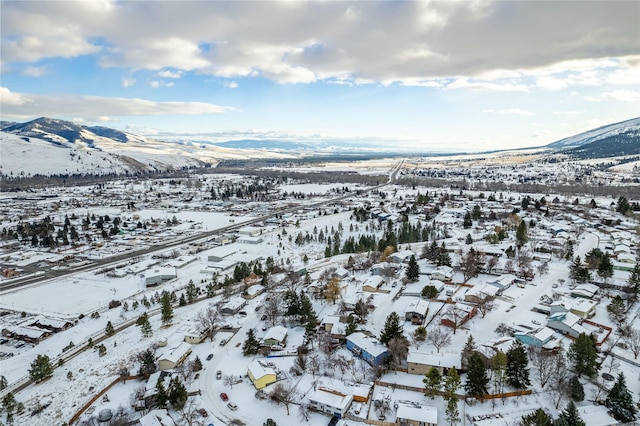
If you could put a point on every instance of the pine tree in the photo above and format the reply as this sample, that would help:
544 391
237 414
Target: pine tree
166 310
576 390
413 270
466 222
41 369
251 346
147 362
109 331
467 350
451 384
517 366
352 325
582 353
177 393
537 418
161 395
620 402
310 331
196 365
432 382
477 380
392 328
634 280
570 416
521 234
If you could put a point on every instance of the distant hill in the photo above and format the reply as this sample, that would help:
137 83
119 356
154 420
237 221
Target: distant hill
612 140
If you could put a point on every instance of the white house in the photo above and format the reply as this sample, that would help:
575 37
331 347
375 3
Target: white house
330 401
174 356
442 273
416 415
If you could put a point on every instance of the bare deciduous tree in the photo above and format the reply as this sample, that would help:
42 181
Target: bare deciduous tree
559 381
632 339
272 308
209 320
485 306
398 350
284 393
439 338
543 364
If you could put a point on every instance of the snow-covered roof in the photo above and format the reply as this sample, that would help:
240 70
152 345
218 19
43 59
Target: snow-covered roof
174 354
258 370
255 289
445 359
417 305
330 398
418 413
368 344
277 333
157 418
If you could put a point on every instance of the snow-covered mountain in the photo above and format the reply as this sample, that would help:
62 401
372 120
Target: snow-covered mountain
48 147
624 130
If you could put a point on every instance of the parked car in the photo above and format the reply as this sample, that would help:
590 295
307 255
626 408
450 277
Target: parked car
218 375
242 314
263 317
209 357
223 342
232 406
224 396
608 377
203 412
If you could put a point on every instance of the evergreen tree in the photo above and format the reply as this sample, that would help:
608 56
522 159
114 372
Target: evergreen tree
451 385
352 325
196 365
517 366
147 362
537 418
109 331
166 310
3 383
477 380
432 382
429 291
392 328
582 353
499 371
620 402
576 390
413 270
521 234
145 326
161 395
310 331
634 281
41 369
617 310
177 393
251 346
467 350
570 416
466 222
605 269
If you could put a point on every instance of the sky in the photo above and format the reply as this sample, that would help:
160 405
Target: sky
435 75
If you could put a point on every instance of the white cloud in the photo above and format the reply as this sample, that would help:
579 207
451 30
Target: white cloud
485 86
623 95
510 111
128 82
371 41
154 84
230 84
170 74
566 112
19 105
551 83
34 71
9 98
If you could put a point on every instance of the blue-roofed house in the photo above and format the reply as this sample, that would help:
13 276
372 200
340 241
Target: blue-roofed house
368 348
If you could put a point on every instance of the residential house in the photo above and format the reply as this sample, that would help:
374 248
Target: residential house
157 417
26 333
502 282
458 314
584 308
421 362
481 293
196 335
330 401
174 356
416 311
260 375
276 336
372 284
368 348
586 290
401 256
414 414
442 273
540 338
253 291
566 323
233 306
